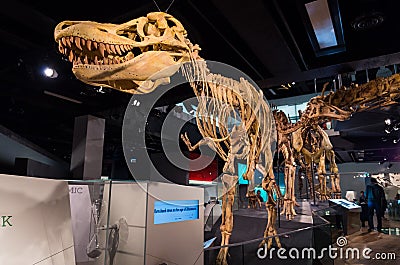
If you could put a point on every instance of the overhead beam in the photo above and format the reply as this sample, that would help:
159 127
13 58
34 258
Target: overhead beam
332 70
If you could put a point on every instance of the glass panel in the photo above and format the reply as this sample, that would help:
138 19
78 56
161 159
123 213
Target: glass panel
299 246
321 20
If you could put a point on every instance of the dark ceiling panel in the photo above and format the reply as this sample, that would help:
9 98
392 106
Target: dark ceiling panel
256 27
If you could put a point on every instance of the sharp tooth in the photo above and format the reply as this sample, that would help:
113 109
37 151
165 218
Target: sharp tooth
108 48
95 45
83 41
71 56
112 47
128 47
64 42
68 41
130 56
71 39
78 43
89 45
96 60
122 48
115 60
79 60
105 60
60 47
102 48
85 60
118 49
65 51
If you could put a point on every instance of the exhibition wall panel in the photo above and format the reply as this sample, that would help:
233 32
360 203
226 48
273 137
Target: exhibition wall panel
179 241
35 224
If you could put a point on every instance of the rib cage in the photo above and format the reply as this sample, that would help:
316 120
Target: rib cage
223 99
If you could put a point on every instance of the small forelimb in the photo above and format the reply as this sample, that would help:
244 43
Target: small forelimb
186 140
210 142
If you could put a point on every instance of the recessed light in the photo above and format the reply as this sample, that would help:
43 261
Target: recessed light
50 72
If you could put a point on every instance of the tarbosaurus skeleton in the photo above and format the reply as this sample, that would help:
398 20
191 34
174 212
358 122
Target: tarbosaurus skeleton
139 55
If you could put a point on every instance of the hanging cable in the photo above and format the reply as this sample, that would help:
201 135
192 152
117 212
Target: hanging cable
167 7
166 11
157 5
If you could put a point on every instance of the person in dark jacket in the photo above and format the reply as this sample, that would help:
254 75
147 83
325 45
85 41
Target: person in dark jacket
375 195
364 208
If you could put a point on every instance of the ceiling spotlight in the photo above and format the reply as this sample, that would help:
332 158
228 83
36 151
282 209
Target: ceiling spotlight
293 83
387 130
388 121
50 72
395 141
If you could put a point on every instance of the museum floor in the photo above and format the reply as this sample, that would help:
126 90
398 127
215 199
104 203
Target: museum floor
249 224
377 242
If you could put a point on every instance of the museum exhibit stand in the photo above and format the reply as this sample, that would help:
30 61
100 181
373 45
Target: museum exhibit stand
348 214
97 222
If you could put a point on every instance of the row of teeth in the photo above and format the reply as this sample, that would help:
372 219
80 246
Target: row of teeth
93 45
73 48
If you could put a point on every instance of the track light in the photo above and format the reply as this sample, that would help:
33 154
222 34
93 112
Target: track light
388 121
50 72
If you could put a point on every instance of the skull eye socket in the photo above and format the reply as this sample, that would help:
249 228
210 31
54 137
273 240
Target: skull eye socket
64 26
170 23
124 34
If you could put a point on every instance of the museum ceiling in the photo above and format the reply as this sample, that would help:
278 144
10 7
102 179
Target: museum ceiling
274 42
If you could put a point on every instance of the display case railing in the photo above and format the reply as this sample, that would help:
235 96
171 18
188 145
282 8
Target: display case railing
393 209
299 246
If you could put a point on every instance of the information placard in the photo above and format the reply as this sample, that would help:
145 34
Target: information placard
345 203
175 211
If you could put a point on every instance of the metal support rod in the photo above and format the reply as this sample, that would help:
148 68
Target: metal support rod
366 73
279 187
315 85
340 81
313 176
308 196
334 85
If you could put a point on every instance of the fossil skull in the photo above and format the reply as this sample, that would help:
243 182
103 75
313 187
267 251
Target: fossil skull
129 57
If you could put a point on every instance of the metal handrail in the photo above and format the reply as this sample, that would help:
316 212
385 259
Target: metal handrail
278 235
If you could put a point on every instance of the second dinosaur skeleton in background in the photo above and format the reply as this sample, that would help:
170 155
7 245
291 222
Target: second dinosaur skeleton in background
306 143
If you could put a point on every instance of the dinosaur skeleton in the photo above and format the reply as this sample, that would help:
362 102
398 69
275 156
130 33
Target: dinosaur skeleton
306 143
137 56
